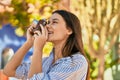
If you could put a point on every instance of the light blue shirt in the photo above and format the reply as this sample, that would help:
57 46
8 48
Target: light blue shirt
67 68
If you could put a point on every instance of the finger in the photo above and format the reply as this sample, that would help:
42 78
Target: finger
42 29
37 32
35 35
32 26
30 29
46 32
34 23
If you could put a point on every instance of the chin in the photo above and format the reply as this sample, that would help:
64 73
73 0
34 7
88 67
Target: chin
49 40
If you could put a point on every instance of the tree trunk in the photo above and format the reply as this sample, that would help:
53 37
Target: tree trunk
64 4
101 67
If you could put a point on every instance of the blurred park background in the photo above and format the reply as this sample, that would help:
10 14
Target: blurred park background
100 20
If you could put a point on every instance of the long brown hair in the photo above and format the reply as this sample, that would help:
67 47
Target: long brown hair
74 42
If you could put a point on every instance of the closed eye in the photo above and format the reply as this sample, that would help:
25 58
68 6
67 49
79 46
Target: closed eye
52 22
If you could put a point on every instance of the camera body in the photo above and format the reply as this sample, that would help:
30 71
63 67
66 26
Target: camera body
43 22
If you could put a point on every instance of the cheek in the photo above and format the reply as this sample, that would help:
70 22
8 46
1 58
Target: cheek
60 33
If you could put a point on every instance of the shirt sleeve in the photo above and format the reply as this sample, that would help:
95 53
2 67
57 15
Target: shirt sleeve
22 70
65 70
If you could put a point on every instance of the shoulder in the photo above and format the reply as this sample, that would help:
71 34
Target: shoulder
77 60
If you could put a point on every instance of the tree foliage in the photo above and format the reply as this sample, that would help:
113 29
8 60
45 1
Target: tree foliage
100 22
20 13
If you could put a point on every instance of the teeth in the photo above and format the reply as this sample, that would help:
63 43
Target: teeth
50 32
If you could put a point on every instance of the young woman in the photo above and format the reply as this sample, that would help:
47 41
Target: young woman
66 61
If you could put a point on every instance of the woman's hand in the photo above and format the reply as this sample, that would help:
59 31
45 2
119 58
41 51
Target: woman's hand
30 36
40 38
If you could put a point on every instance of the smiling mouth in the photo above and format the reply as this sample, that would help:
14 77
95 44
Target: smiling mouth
50 32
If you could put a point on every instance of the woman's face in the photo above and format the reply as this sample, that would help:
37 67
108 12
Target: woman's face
57 30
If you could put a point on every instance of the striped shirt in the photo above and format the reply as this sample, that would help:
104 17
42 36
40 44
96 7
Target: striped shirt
67 68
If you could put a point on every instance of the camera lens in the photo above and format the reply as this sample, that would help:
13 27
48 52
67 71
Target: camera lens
43 22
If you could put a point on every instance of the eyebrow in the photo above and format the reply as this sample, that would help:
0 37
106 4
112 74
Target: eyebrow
55 19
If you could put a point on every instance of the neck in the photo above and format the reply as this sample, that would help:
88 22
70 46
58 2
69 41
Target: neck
58 50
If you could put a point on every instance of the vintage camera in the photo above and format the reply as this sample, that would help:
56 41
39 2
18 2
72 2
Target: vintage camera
43 22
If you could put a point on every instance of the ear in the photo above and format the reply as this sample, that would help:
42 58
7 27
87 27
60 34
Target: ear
69 31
